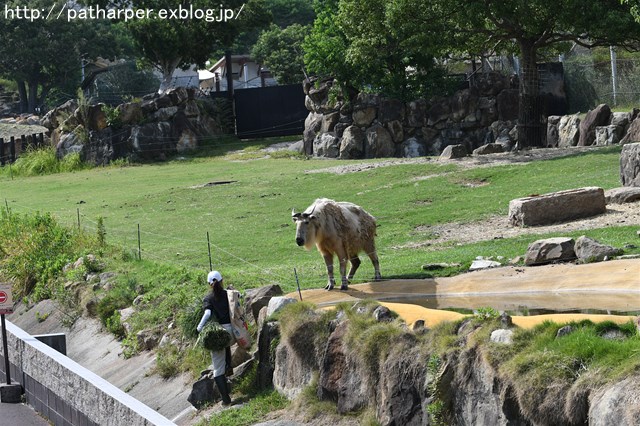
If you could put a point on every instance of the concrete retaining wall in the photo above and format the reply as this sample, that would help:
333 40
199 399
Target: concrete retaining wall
67 393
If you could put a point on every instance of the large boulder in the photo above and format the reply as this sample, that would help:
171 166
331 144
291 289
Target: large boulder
599 116
412 148
568 131
256 299
312 126
633 133
630 164
352 143
552 130
616 404
557 207
416 113
378 142
326 145
490 148
590 250
451 152
606 135
390 110
550 250
622 195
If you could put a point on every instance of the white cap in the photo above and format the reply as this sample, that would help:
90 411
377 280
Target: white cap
214 275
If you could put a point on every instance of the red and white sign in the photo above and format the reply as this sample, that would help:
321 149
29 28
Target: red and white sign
6 303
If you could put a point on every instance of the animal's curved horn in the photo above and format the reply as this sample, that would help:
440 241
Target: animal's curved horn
294 214
313 209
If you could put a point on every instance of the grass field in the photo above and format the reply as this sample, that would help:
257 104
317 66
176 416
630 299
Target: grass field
249 219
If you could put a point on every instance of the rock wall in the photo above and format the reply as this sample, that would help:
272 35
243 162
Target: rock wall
371 126
407 387
150 129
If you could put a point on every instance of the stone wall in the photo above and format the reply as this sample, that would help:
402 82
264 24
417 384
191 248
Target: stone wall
371 126
150 129
67 393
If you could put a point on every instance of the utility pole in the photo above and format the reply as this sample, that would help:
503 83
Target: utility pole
614 74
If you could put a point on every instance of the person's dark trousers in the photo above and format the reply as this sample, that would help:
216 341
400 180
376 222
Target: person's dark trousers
229 369
221 382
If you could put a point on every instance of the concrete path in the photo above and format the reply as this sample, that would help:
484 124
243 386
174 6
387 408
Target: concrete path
20 414
608 286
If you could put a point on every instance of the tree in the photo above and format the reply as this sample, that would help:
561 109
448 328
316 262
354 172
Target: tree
530 26
281 51
48 53
184 39
378 45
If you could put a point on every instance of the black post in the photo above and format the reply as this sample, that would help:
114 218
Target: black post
12 149
41 137
34 141
1 151
23 144
298 283
209 247
139 250
5 350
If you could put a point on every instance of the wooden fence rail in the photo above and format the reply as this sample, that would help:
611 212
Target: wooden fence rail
10 150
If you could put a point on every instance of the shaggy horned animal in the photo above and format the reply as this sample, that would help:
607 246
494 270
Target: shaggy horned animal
339 228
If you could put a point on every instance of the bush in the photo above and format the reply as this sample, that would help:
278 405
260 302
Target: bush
34 249
43 161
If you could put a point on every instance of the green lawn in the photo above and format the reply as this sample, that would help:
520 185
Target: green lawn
249 222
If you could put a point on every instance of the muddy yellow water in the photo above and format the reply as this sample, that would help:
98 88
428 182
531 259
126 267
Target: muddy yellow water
609 287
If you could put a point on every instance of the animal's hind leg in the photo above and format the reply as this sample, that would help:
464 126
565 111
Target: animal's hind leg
355 264
371 252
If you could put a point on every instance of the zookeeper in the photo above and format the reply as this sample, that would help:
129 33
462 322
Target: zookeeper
217 303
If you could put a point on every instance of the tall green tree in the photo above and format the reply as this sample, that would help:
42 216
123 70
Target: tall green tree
181 41
45 54
384 46
528 27
280 49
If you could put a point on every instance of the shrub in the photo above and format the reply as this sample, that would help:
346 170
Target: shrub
43 161
34 249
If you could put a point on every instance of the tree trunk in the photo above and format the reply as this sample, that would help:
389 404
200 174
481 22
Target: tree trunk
167 69
531 108
22 91
33 96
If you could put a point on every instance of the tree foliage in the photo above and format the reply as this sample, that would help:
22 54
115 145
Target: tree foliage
46 54
280 49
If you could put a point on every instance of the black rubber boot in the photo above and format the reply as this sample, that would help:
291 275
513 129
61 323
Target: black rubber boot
221 382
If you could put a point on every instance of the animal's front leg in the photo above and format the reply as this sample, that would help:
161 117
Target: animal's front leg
343 273
328 260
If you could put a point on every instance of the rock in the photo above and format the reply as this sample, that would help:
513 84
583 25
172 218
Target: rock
277 303
352 143
69 143
483 264
505 320
390 110
557 207
507 105
395 130
329 122
622 195
549 250
620 120
568 131
378 143
413 148
418 326
256 299
326 145
553 136
203 392
147 339
633 133
630 164
617 404
502 336
606 135
490 148
151 142
599 116
453 151
165 114
312 125
590 250
365 116
382 314
613 335
564 331
239 356
268 336
416 112
191 109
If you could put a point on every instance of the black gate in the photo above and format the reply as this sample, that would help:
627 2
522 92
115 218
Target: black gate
269 111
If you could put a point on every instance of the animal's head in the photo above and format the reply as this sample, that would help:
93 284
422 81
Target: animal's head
306 226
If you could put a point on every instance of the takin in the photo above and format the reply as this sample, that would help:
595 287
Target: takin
339 228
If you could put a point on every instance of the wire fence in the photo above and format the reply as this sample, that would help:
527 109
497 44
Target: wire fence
191 253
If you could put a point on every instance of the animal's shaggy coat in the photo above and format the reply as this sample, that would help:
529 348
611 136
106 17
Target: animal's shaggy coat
339 228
